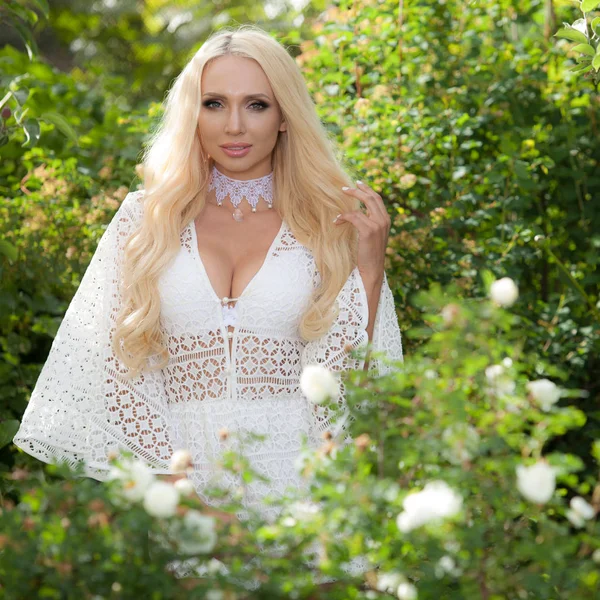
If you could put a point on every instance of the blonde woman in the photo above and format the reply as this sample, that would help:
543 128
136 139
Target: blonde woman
217 283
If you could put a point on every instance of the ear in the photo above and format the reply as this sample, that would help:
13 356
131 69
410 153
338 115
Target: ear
283 126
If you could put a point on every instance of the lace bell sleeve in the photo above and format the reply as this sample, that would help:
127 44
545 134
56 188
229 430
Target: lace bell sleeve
350 328
82 407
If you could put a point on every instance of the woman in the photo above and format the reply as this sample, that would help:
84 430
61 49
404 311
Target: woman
217 283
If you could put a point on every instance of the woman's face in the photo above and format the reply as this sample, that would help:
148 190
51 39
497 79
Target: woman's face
239 107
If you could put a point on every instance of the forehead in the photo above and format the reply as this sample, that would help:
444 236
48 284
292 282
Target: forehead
234 74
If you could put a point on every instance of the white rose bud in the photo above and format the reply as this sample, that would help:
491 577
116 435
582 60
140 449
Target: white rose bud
407 591
504 291
161 499
580 511
537 482
135 477
318 383
181 461
185 487
544 392
388 582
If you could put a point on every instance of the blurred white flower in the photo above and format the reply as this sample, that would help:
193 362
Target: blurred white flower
544 392
181 460
504 291
580 511
450 314
199 533
318 384
596 556
499 383
537 482
135 477
216 566
462 442
305 457
185 487
214 595
304 510
407 591
389 582
161 499
446 566
435 501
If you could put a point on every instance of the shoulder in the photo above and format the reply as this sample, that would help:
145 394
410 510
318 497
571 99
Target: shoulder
132 207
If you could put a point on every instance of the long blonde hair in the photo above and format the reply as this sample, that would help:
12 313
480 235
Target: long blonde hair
307 177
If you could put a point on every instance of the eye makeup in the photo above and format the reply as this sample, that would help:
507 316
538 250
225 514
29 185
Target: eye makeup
260 104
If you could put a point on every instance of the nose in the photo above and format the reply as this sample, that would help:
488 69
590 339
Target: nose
234 123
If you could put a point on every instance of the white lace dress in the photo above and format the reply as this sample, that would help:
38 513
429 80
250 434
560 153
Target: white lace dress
82 407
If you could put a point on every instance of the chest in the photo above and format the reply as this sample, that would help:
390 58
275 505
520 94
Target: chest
273 289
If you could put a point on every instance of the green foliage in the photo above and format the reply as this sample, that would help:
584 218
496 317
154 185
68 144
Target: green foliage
443 415
482 138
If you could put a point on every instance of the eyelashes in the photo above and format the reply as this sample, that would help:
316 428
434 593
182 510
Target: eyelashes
261 105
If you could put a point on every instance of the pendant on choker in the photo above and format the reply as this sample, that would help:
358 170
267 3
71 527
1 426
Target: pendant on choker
237 189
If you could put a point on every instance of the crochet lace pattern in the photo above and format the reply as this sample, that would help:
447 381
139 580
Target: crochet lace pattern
82 407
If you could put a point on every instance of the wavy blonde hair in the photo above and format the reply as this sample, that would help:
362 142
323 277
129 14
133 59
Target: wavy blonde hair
307 178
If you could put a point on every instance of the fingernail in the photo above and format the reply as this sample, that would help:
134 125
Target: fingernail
337 217
345 188
358 181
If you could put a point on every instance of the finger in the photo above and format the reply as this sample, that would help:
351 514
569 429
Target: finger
378 200
369 201
364 224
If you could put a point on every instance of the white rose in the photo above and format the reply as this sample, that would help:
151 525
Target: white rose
544 392
407 591
580 511
537 482
437 500
216 566
161 499
199 534
303 510
135 477
504 291
388 582
446 565
499 383
318 383
181 460
462 441
185 487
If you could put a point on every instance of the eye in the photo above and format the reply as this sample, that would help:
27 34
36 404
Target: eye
261 105
258 106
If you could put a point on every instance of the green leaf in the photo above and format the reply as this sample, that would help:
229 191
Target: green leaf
585 49
589 5
61 124
596 59
7 431
487 278
27 38
8 250
595 23
571 34
43 6
31 129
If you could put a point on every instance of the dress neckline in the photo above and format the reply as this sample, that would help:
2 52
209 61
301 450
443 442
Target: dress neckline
202 268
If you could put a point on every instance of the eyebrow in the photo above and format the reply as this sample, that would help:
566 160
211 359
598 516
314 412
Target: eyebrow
219 95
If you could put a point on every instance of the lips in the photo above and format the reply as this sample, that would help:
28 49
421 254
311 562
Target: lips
235 146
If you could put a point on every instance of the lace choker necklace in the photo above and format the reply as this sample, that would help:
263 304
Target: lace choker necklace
236 189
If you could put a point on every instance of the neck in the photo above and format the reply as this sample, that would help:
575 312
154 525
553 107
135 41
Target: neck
245 195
